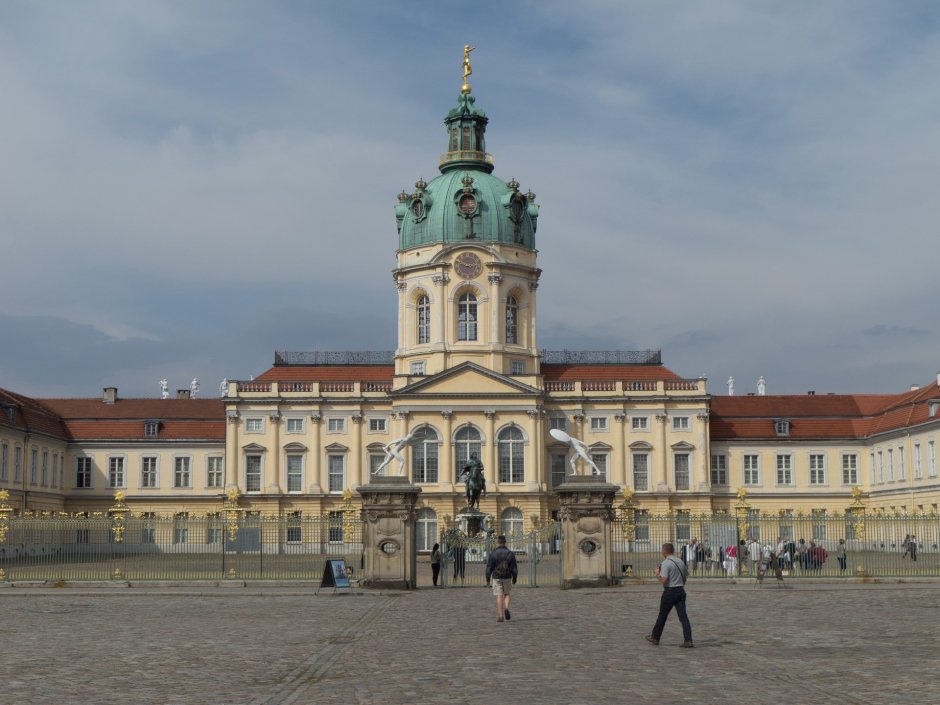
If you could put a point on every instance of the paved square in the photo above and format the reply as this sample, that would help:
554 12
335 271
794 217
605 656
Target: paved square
818 643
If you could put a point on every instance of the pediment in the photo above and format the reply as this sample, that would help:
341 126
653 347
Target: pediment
641 445
467 379
682 445
254 448
295 447
600 446
336 448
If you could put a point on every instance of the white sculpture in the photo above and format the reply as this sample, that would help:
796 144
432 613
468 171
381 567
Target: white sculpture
580 449
731 386
393 451
761 386
164 389
193 388
223 387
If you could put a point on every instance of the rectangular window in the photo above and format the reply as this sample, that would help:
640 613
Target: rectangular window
181 528
683 525
214 531
931 459
418 368
55 468
4 461
82 472
681 464
295 425
335 526
782 428
45 468
786 524
252 473
295 473
254 425
148 471
294 527
598 423
215 472
18 464
784 470
817 469
881 466
148 531
33 466
181 472
849 469
378 425
641 523
751 469
115 472
719 469
375 460
680 423
151 428
600 460
902 473
819 524
517 367
559 468
918 470
640 423
641 472
890 465
337 470
558 422
336 425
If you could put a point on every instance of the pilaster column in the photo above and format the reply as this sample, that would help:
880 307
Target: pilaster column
618 470
318 473
533 329
495 280
355 460
661 454
490 465
278 483
231 449
447 472
536 476
441 280
402 287
704 458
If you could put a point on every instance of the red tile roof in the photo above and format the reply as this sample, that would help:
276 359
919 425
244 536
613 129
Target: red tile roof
142 409
607 372
29 415
134 430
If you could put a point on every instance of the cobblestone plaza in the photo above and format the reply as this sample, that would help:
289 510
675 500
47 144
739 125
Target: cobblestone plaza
819 643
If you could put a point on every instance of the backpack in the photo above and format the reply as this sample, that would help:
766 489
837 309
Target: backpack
503 571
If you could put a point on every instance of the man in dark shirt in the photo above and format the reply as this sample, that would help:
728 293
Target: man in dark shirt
501 572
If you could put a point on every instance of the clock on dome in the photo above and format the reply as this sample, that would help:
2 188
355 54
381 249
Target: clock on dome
468 265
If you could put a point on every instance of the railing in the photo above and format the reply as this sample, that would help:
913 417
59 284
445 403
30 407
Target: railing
599 386
681 385
172 548
556 386
376 386
601 357
831 546
337 386
466 154
295 386
284 358
254 386
643 385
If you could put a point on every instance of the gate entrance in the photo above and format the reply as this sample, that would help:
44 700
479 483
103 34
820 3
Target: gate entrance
538 556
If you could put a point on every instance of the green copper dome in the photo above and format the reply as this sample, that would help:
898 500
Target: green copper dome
466 202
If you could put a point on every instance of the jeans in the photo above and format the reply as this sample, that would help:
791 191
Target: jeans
673 597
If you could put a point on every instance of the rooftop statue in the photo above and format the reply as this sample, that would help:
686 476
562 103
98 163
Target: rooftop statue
164 389
465 88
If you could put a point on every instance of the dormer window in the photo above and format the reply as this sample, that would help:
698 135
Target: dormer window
151 428
782 427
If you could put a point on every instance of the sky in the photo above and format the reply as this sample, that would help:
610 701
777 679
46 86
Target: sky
750 187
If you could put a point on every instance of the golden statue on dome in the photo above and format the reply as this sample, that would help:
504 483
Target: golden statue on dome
465 88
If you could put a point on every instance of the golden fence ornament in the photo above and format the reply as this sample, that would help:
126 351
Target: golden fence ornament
118 515
5 511
232 511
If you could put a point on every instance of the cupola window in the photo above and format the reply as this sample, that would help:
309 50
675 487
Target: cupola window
467 317
424 320
512 318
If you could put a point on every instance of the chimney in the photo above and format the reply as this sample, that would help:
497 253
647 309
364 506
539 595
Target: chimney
109 395
811 392
182 394
938 379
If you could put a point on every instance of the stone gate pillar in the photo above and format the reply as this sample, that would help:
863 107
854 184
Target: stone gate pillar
388 532
586 513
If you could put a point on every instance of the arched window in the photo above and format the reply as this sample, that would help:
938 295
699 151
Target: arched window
424 455
511 522
512 320
511 455
466 441
467 317
424 319
425 529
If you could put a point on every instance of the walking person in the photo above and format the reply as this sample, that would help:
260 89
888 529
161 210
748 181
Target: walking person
435 563
841 555
672 573
501 572
906 545
912 547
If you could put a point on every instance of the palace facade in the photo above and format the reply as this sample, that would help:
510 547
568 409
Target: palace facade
467 376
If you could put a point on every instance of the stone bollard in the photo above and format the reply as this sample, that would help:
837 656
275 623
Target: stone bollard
586 513
388 532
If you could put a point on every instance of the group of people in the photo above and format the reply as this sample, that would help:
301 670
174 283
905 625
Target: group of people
785 555
910 547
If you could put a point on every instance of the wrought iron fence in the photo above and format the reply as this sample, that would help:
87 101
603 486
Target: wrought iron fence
538 557
329 357
601 357
804 546
139 547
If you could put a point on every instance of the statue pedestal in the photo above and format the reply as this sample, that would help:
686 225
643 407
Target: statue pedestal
388 532
585 514
472 521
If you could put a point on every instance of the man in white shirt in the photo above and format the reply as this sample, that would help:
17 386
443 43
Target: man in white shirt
672 574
